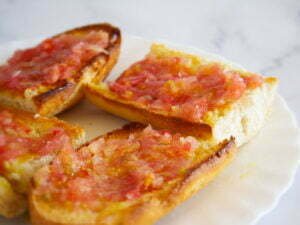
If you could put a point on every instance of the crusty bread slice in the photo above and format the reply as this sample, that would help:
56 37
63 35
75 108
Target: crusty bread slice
51 100
147 208
241 119
19 171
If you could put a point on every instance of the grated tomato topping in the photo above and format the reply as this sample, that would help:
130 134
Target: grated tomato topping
116 169
168 84
52 60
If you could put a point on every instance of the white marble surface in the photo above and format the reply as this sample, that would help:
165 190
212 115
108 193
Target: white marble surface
261 35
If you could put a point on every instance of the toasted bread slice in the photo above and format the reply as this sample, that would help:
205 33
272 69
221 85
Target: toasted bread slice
134 175
27 143
52 98
237 107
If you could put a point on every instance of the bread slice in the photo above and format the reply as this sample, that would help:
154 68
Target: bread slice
19 169
52 99
241 118
124 200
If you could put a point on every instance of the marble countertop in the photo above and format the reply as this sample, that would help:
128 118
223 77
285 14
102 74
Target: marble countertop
261 35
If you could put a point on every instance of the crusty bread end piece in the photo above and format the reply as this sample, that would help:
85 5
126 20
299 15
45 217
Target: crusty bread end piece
63 96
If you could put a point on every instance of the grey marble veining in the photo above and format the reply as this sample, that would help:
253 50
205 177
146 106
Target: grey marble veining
261 35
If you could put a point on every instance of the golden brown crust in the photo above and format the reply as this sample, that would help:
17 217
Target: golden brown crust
206 130
136 114
147 210
68 93
51 97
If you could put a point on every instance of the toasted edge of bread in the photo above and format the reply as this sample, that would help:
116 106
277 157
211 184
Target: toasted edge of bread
18 185
241 119
70 92
147 210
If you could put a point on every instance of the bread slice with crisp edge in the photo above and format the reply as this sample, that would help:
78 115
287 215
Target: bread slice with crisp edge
142 209
241 118
50 100
19 170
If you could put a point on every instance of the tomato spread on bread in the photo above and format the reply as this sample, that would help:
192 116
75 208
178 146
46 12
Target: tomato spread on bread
53 60
16 139
173 84
117 168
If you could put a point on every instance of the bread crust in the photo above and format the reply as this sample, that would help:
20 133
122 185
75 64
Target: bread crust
66 94
205 131
147 210
13 197
144 116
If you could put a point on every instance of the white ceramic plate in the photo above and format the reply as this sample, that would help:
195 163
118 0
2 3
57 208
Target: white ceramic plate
251 186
